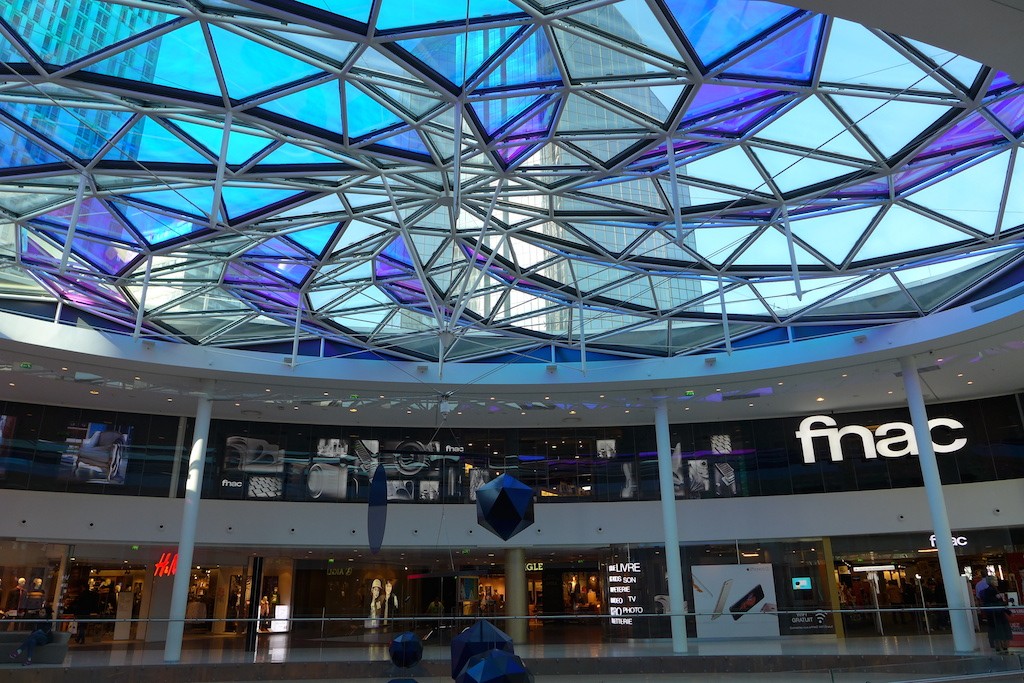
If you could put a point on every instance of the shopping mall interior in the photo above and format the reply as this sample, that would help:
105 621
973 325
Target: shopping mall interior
284 285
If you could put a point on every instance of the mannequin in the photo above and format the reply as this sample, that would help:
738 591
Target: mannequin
36 596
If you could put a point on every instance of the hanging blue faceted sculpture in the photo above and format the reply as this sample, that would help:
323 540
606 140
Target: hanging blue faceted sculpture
504 506
495 666
481 637
405 650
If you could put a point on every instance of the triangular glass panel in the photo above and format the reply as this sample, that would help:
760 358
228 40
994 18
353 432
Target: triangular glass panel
973 131
655 101
407 141
890 124
9 53
103 255
964 70
495 114
537 123
147 140
358 10
971 196
603 149
184 62
771 248
82 132
241 146
717 27
788 57
1010 112
414 104
319 105
714 99
291 154
936 283
318 208
631 20
365 115
49 34
93 218
834 234
856 56
16 150
586 59
456 57
401 13
641 191
250 67
1013 214
193 201
717 245
656 245
1000 81
328 49
243 200
901 231
791 171
729 167
531 63
581 115
739 125
878 296
810 124
156 228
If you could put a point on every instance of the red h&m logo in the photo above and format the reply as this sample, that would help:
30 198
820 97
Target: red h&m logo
167 566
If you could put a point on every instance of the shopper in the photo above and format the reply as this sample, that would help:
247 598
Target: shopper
42 633
997 616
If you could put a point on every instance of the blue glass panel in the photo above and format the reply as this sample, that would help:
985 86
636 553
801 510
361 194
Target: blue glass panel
149 141
1001 80
408 141
194 201
789 57
241 146
540 122
337 50
289 270
275 247
366 115
531 62
398 251
353 9
717 27
512 153
288 299
53 34
294 154
83 132
739 125
93 218
156 228
319 105
711 99
1010 113
399 13
457 57
242 273
179 59
250 67
315 240
242 200
8 53
17 150
495 114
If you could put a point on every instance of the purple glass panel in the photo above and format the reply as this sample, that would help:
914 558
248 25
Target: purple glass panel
970 132
1000 81
275 247
913 176
539 122
713 99
1010 113
510 154
289 270
398 251
789 57
406 291
30 251
879 188
93 218
384 268
288 299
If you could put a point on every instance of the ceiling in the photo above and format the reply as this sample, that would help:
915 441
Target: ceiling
515 180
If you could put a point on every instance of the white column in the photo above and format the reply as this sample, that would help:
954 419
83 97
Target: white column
189 521
960 617
668 515
516 598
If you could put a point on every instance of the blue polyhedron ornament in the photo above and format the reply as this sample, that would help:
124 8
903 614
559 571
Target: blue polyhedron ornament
406 650
495 666
481 637
504 506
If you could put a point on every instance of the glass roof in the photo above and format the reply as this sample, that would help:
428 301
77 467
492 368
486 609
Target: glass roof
495 180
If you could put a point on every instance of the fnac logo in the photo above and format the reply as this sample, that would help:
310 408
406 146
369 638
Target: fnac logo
890 440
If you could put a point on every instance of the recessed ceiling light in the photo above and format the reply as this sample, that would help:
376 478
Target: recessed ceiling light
547 398
890 392
627 410
751 405
820 399
381 396
686 408
492 398
138 378
11 383
522 413
960 374
408 412
64 369
267 390
970 381
780 384
939 360
169 400
93 392
353 410
844 375
237 404
571 412
326 393
295 407
601 396
458 412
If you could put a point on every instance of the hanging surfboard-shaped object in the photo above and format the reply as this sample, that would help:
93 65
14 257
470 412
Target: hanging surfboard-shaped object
377 513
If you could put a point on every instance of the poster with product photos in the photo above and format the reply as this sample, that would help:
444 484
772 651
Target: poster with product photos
708 477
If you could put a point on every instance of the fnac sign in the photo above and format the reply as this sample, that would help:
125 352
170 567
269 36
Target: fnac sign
890 440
